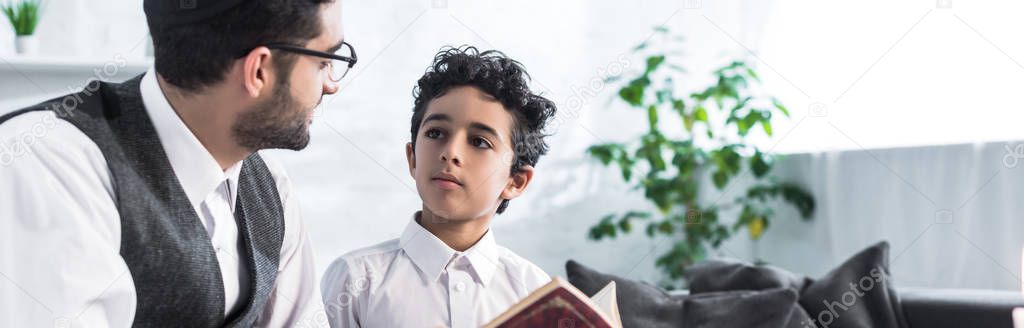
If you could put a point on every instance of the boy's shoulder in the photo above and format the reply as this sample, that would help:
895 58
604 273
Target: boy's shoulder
530 272
512 258
360 258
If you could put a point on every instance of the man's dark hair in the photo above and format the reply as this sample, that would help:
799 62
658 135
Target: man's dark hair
198 54
500 77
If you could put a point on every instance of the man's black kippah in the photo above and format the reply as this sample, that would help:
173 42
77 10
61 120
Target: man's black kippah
173 12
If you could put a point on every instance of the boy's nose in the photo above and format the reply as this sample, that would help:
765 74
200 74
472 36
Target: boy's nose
455 160
451 154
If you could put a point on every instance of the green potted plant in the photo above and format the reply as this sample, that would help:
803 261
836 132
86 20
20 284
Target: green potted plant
695 137
24 16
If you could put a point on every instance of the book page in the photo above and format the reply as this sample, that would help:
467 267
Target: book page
608 303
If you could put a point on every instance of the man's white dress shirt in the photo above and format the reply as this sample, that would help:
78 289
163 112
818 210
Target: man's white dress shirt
60 229
418 281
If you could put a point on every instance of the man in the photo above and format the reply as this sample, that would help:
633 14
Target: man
146 203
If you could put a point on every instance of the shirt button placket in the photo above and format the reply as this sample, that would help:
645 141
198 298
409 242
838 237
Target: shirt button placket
460 298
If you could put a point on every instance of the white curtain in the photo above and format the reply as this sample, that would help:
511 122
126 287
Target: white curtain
952 214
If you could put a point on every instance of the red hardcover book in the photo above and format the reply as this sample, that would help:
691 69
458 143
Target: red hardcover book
559 304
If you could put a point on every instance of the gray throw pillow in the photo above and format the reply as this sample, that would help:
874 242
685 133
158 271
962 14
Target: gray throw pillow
640 304
730 274
770 308
858 293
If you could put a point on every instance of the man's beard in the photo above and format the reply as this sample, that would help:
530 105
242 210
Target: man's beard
280 122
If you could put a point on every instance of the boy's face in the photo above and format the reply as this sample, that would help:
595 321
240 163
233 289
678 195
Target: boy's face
463 156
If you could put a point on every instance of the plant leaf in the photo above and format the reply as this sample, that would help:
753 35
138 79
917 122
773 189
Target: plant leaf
720 178
653 62
633 93
652 117
780 107
750 71
756 227
700 114
760 164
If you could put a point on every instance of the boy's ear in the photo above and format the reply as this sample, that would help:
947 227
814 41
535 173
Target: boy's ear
517 182
410 155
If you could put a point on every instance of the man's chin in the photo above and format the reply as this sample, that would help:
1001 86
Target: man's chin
296 147
299 139
298 144
261 128
296 141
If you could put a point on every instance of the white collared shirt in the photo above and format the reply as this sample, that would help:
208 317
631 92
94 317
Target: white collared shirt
60 229
418 281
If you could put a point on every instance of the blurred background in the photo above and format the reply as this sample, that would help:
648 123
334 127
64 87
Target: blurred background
903 124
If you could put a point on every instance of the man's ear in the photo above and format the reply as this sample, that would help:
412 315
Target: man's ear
517 182
410 155
256 71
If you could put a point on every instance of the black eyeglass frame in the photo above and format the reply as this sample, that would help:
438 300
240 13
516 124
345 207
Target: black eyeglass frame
310 52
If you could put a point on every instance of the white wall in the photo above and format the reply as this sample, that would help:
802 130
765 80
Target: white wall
352 179
362 193
354 185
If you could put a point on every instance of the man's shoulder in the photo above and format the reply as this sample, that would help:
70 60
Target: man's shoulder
44 158
47 138
86 105
282 180
23 120
53 124
274 165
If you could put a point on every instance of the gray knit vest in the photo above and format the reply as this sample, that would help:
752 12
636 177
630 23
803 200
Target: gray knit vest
168 252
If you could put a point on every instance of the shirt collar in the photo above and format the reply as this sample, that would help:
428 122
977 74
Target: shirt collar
431 255
198 172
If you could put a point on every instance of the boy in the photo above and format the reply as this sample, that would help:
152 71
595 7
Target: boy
476 136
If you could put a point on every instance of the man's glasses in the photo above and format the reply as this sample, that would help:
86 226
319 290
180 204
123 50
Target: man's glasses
341 61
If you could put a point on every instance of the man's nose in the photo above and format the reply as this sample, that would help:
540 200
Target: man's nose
331 87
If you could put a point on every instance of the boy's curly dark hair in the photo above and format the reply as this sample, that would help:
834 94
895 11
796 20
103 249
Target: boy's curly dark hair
500 77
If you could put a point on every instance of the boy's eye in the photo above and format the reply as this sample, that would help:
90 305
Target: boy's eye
480 143
433 133
325 64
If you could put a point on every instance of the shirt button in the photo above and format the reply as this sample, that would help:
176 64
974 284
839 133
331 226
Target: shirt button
459 287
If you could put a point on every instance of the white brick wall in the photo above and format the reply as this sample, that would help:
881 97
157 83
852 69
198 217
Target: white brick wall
355 190
354 186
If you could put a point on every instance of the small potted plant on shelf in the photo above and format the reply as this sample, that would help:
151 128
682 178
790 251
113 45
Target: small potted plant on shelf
24 16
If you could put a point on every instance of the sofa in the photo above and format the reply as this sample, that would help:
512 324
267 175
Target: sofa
948 308
729 293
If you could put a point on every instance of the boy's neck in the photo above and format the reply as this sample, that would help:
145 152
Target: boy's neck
460 235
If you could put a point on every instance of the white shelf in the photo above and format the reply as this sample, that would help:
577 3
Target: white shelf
74 65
